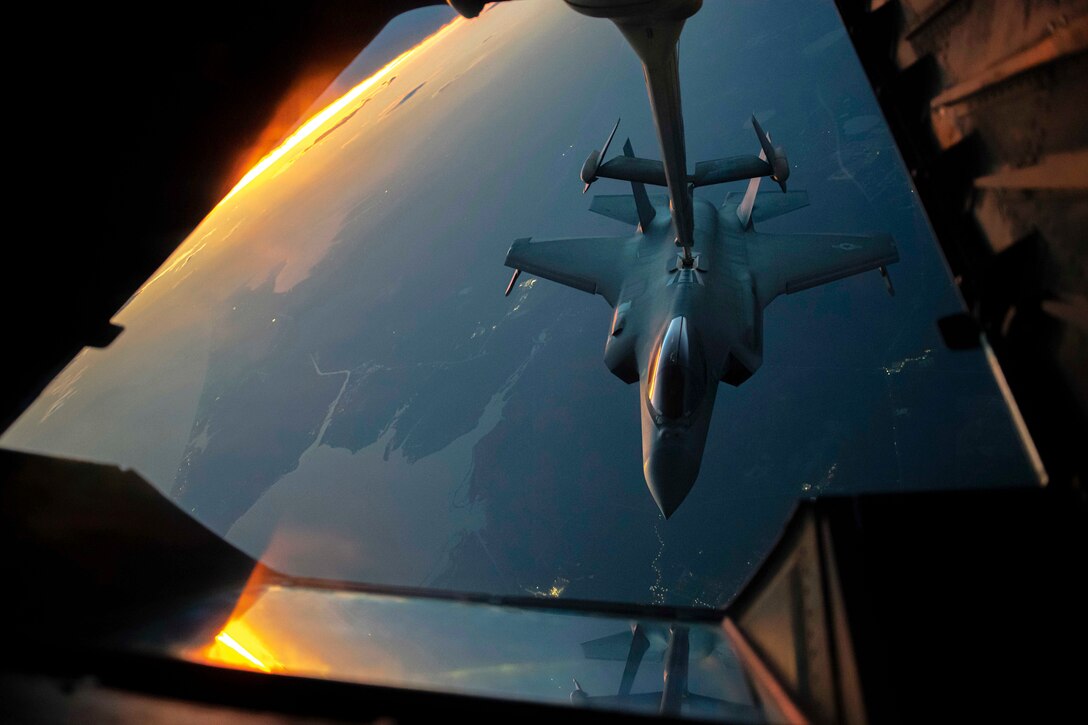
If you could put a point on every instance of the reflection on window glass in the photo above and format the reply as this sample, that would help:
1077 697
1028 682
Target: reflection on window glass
327 374
560 657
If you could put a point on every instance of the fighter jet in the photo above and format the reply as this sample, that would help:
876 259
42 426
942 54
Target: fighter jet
677 647
680 326
689 285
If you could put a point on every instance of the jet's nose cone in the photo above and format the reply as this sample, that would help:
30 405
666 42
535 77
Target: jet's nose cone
670 472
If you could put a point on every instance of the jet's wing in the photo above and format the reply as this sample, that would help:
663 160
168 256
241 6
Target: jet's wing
646 699
700 703
788 263
590 264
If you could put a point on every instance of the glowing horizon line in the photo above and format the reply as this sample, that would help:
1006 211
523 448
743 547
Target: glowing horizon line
325 114
237 647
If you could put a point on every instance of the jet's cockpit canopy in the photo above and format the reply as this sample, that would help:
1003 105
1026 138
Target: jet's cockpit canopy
678 374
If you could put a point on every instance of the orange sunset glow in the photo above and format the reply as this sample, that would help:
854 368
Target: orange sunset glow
330 111
238 644
230 652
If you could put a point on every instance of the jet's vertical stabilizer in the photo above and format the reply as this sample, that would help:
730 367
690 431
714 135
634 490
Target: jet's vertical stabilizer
646 211
744 209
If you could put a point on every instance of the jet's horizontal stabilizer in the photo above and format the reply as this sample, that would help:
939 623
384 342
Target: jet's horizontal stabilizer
625 207
733 168
620 207
589 264
769 204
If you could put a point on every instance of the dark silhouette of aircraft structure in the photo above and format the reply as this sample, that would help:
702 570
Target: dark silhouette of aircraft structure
676 646
690 284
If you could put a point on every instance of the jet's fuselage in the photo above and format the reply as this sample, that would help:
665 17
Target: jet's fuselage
685 328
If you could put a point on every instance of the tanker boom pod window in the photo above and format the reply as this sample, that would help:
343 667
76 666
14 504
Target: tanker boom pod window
678 382
326 374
